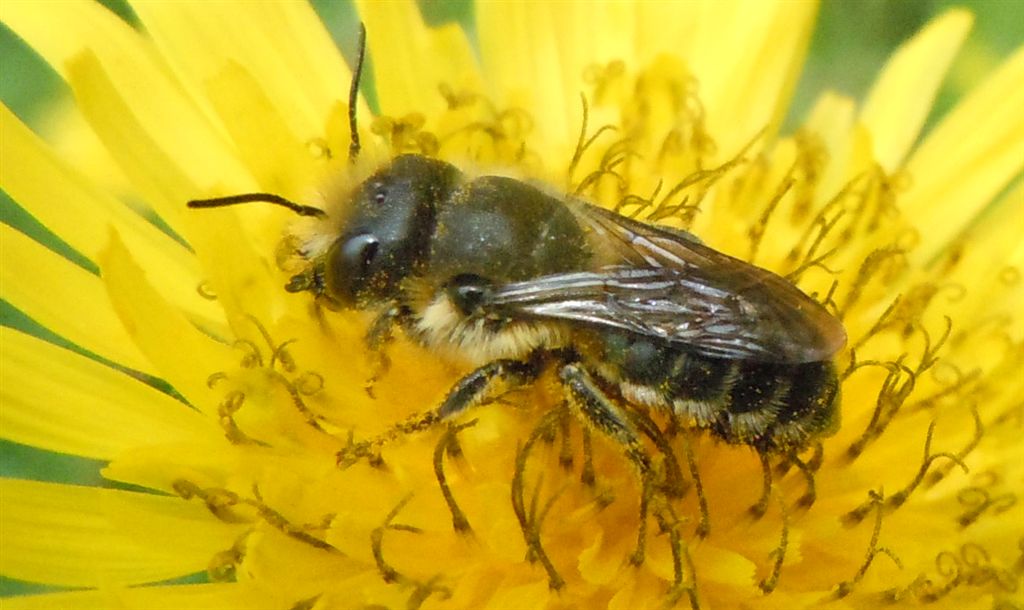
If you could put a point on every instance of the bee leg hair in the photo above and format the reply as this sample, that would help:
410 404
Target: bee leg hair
758 510
588 402
487 383
380 334
477 388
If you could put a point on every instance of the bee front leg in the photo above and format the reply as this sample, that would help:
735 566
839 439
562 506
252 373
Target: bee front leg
479 387
380 334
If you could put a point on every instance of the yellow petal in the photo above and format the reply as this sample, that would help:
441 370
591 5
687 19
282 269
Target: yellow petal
60 401
519 55
410 60
282 45
901 98
746 59
279 158
81 214
538 54
137 86
87 536
969 158
666 27
42 283
831 119
993 249
182 355
215 595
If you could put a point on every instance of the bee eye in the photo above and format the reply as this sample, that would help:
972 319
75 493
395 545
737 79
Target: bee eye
359 251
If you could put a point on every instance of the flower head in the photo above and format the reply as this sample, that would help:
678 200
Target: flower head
235 419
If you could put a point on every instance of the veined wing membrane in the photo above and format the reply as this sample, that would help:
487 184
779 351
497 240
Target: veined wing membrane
666 285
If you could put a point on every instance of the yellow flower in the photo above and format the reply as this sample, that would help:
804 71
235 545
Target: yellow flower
219 403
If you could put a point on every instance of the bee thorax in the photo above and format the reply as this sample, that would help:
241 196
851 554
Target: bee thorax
441 326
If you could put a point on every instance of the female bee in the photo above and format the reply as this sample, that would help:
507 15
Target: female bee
497 272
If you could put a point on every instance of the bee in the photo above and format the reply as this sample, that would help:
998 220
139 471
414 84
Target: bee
503 274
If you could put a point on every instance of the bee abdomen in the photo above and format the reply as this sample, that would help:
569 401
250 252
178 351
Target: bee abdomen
812 408
754 404
771 406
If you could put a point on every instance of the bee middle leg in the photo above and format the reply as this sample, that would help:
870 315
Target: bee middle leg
588 402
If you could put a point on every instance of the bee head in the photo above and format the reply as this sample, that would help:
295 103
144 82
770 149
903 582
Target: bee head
386 233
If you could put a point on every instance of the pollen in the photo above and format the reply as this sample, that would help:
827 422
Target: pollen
267 448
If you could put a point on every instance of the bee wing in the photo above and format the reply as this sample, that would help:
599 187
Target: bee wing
666 284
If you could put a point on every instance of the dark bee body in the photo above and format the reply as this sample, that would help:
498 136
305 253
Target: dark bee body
494 269
498 273
772 407
502 275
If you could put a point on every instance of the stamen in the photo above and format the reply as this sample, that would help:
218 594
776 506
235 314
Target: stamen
899 498
890 396
531 535
706 176
447 442
756 230
280 355
388 573
972 566
226 410
582 144
872 264
457 99
844 588
254 358
943 470
642 203
883 322
812 259
278 521
819 221
312 419
615 155
309 383
204 290
962 385
948 566
977 500
222 503
421 590
223 566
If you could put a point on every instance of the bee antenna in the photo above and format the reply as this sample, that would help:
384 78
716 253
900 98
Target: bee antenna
220 202
353 95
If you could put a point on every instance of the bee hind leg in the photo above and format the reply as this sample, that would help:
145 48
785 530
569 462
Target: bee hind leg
589 403
810 495
758 510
